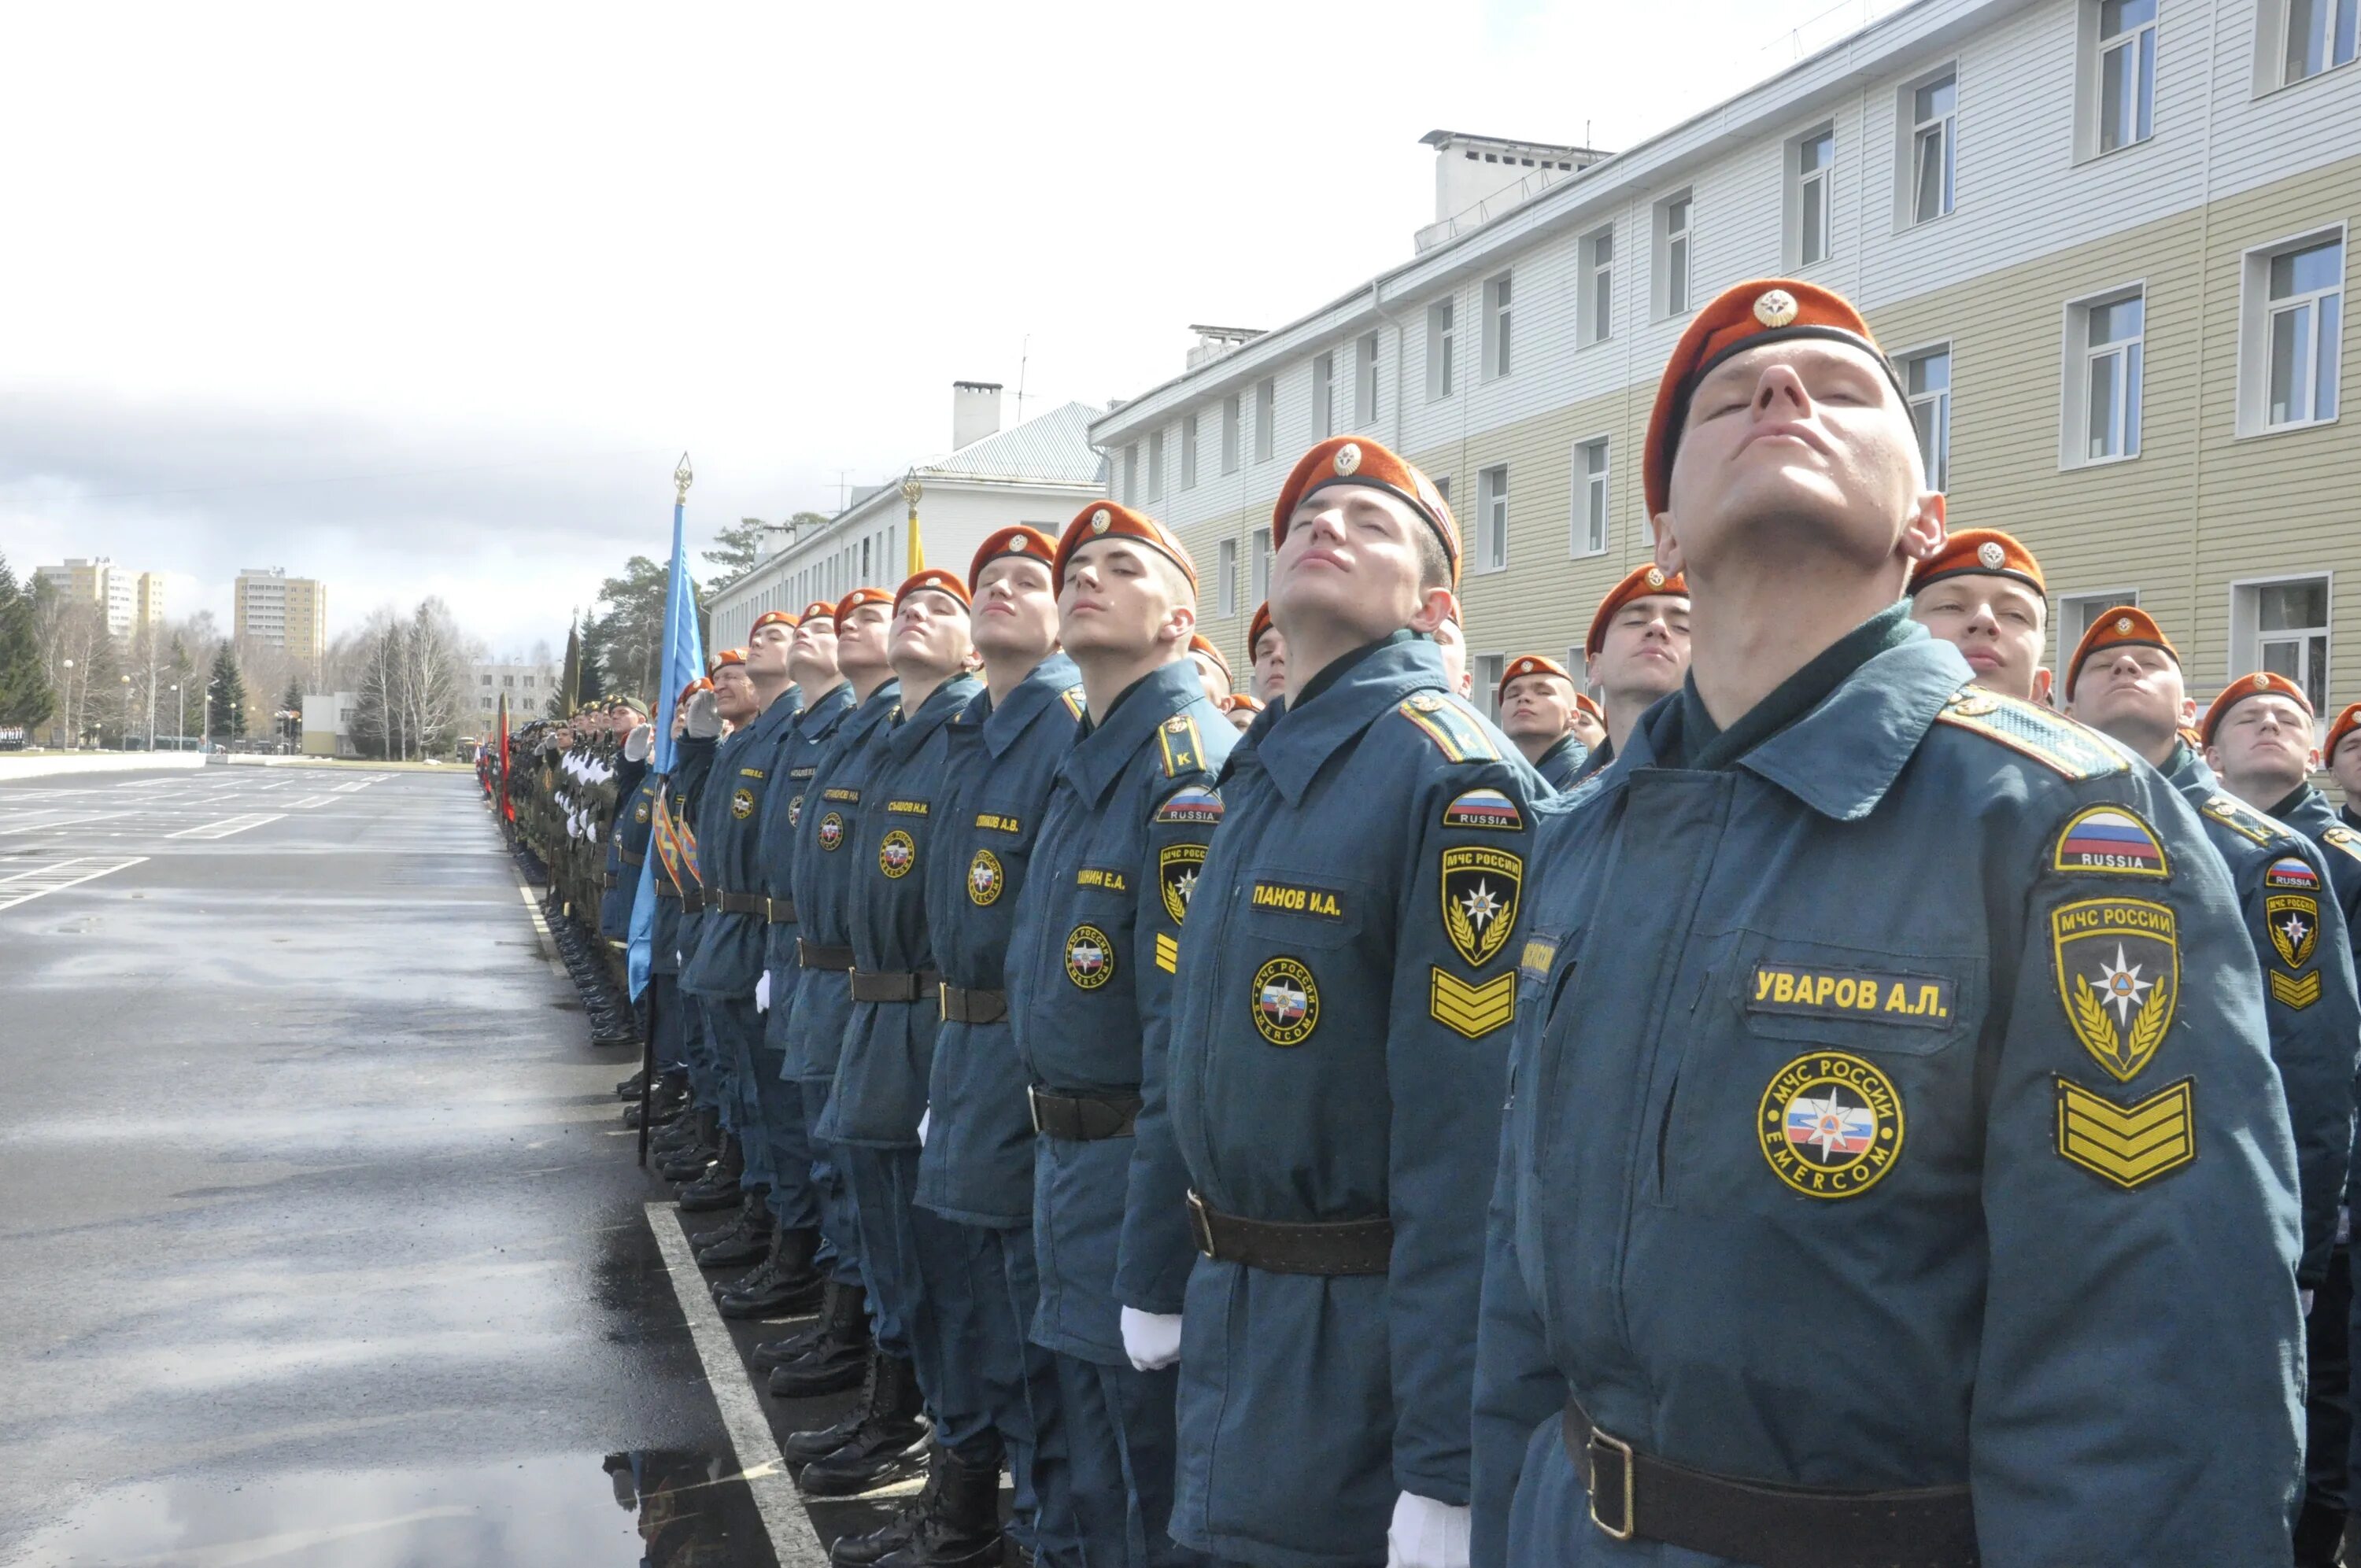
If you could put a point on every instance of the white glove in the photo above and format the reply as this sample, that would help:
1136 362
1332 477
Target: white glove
2305 1297
1426 1534
704 716
1152 1340
637 745
763 998
925 1119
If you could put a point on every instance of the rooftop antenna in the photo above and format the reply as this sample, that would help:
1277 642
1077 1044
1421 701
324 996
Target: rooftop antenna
1023 357
842 489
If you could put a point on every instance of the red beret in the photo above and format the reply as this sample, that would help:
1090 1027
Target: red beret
1015 540
820 608
695 686
1257 626
2260 683
1531 665
1981 552
1643 582
1583 700
1357 460
2346 724
1768 309
771 617
728 657
2122 627
1198 645
1102 519
856 598
1236 700
934 578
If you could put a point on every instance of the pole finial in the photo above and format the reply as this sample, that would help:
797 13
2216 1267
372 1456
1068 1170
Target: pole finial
682 477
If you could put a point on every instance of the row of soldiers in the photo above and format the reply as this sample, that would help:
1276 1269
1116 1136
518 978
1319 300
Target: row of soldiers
1804 1100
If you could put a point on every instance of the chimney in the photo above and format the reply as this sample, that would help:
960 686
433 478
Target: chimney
976 411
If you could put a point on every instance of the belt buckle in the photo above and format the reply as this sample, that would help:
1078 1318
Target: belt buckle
1200 1229
1601 1442
1033 1106
943 1011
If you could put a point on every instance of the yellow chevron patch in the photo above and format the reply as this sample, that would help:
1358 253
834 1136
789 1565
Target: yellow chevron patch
2290 992
2130 1145
1168 954
1474 1011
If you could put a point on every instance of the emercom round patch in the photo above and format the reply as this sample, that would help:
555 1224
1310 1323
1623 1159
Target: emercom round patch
1830 1125
895 854
1090 958
1286 1002
983 874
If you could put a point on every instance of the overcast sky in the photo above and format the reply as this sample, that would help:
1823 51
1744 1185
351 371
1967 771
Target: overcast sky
429 299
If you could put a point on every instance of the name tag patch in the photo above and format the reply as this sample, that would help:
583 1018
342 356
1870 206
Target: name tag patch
906 807
1299 900
850 796
1534 962
1108 877
996 823
1809 992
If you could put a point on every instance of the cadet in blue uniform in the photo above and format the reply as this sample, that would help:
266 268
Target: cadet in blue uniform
667 1017
2257 736
627 854
1538 706
710 1148
1267 650
1889 1182
2346 765
1636 652
1589 723
1091 957
1984 595
1337 1062
976 1169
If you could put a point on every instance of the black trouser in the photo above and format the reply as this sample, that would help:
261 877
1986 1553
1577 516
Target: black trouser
2328 1415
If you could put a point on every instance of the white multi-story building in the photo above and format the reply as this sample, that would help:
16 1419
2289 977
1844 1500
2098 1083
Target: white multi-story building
1039 472
2105 239
530 688
132 599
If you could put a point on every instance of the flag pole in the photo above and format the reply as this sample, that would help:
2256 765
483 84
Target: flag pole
911 491
659 750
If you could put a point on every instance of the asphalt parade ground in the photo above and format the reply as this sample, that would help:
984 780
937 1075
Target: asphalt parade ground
321 1239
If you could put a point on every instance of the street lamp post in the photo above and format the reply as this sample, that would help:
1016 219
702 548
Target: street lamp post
180 725
72 738
126 711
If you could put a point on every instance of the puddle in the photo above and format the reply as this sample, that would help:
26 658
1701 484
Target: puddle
665 1508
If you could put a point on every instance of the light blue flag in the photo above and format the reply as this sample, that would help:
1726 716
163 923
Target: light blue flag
684 661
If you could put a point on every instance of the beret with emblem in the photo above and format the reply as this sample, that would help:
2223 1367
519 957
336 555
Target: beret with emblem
2346 724
1357 460
771 617
1588 705
1102 520
1239 702
1644 582
1015 540
1199 643
2122 627
1257 626
1981 552
2262 683
1532 664
724 659
933 577
1767 310
821 608
695 686
856 598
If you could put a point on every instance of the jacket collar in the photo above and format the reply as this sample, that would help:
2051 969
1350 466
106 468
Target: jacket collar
1558 748
1001 725
778 718
1099 758
819 720
1299 742
2189 770
910 729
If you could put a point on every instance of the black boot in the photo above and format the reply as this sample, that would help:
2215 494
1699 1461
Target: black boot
688 1133
787 1283
888 1442
962 1528
843 1313
837 1357
746 1239
718 1188
863 1551
631 1087
711 1143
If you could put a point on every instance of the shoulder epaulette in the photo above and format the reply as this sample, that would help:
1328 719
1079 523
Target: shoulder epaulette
2050 739
1195 803
1454 730
2344 838
2245 821
1184 748
1072 697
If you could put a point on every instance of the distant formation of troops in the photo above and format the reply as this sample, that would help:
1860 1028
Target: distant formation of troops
1802 1093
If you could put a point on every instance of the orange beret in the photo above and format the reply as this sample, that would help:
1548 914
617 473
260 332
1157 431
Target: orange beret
1768 309
934 578
1357 460
820 608
1101 519
1198 644
2346 724
771 617
725 658
2261 682
695 686
1643 582
1257 626
1015 540
2122 627
1530 664
856 598
1981 552
1236 700
1584 701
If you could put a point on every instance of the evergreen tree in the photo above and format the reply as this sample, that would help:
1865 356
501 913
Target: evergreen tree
225 689
290 702
27 697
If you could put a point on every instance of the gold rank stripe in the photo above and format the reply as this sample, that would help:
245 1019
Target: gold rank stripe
2293 992
2127 1144
1474 1011
1167 953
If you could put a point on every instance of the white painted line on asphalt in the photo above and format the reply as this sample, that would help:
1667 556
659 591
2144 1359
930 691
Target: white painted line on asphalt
311 800
793 1539
16 889
64 822
227 825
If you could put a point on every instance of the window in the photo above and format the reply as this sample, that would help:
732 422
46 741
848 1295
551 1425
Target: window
1927 376
1189 452
1259 582
1595 307
1266 417
1496 310
866 575
1672 256
1365 381
2077 613
2302 323
508 681
1156 466
2320 36
1811 187
1932 113
1441 486
1439 342
1228 577
2283 626
1229 433
487 680
1488 669
1590 498
528 683
2102 380
1492 519
2124 96
1131 474
1323 396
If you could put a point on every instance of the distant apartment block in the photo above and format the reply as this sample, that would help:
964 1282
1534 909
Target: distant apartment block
288 613
131 599
529 688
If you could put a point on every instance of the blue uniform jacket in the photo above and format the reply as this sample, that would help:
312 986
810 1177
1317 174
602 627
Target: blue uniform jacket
783 809
2308 1002
1561 764
1864 1133
676 930
1340 1053
978 1164
889 1046
634 820
823 883
728 956
2308 812
1092 955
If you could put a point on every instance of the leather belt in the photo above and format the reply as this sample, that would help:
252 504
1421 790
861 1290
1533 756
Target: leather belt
973 1006
779 911
628 857
1083 1118
894 986
739 903
611 882
667 890
1634 1494
692 900
811 955
1331 1248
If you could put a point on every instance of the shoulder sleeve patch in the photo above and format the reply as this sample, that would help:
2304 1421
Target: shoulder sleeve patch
2291 870
2127 1146
1073 697
1454 730
1184 750
2242 819
2110 840
1191 804
1486 808
2057 743
2344 839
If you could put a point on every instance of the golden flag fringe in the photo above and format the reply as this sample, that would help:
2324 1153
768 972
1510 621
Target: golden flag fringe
910 494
